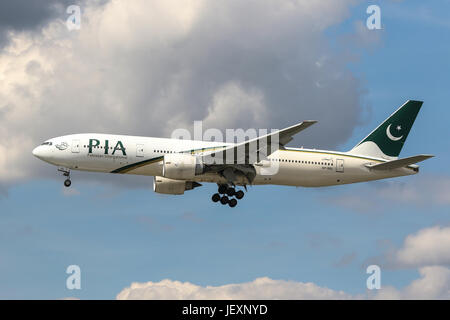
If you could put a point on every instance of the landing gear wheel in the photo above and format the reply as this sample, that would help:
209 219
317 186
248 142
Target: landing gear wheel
222 189
66 173
232 203
230 191
215 197
224 200
239 194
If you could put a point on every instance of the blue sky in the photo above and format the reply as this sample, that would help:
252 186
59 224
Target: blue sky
120 234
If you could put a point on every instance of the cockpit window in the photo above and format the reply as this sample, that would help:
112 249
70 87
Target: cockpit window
46 143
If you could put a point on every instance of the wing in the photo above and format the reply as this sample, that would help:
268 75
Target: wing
252 151
236 162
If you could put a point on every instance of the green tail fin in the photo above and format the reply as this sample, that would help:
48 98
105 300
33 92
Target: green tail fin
387 140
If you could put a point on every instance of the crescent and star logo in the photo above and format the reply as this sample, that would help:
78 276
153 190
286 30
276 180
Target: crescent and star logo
389 134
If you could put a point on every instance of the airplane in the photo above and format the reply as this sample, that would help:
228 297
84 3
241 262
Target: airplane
179 165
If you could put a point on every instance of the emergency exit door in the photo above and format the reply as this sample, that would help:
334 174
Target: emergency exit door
339 165
139 150
75 146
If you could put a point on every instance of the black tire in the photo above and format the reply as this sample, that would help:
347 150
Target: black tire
67 183
215 197
222 189
239 194
231 191
232 203
224 200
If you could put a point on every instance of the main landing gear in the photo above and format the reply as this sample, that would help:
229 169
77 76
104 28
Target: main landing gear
225 195
66 173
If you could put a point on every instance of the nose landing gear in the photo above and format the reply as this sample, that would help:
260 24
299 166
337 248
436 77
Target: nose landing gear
66 173
225 194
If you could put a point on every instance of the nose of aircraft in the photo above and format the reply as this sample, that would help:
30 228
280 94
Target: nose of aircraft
37 152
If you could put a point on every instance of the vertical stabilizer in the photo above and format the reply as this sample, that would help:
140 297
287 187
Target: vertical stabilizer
387 140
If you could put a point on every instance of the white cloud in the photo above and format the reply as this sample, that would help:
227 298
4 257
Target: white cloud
433 284
235 107
428 250
148 67
428 247
261 288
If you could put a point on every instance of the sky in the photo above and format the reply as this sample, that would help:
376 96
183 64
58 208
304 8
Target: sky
149 67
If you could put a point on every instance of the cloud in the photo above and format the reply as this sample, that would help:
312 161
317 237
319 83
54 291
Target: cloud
363 37
428 247
234 107
149 67
25 15
433 284
428 250
260 288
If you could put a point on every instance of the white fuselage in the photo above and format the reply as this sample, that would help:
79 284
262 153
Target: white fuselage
144 156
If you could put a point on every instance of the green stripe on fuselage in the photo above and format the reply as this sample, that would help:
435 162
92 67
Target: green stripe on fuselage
136 165
139 164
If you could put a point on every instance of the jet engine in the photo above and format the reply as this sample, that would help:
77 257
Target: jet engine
182 166
171 186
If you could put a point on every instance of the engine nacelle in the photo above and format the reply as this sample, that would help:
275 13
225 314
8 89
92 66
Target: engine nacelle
170 186
182 166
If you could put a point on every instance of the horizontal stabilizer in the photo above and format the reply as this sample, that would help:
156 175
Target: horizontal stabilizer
400 163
